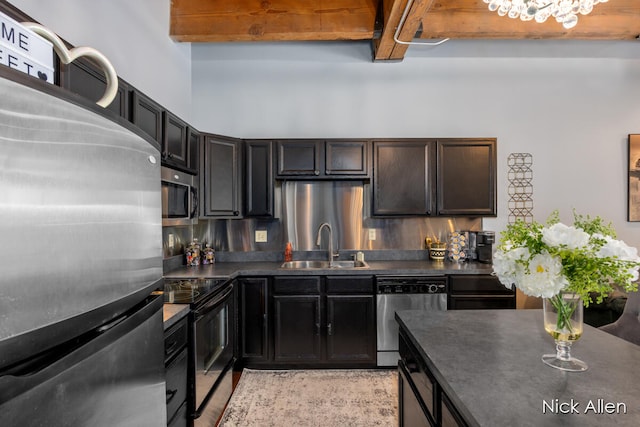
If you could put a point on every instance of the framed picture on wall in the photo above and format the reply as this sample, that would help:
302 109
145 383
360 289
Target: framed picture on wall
633 212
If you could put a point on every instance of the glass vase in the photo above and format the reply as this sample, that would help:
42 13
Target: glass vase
563 315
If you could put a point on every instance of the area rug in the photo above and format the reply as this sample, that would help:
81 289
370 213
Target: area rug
313 398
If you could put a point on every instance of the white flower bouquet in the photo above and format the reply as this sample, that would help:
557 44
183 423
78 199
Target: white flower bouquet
584 258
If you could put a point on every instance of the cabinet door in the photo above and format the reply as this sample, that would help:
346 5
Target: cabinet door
411 412
403 177
450 415
351 333
147 115
193 149
220 177
176 383
88 80
254 312
467 177
174 141
258 178
299 158
347 158
297 328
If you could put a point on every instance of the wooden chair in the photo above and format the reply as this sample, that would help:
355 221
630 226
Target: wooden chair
627 326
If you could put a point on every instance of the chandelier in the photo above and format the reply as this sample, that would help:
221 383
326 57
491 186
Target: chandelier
564 11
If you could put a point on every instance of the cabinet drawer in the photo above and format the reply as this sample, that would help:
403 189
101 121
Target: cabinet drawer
350 285
175 339
296 285
482 284
176 388
472 302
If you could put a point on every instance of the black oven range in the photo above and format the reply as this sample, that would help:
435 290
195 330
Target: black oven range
211 343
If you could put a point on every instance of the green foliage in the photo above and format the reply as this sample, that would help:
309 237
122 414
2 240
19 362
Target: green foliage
587 271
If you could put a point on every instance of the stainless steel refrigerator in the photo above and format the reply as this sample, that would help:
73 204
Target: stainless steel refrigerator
81 336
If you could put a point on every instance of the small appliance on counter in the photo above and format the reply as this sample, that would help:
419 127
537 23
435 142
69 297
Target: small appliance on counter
484 246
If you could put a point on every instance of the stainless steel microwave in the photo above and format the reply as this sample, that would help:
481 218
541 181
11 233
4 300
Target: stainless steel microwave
179 198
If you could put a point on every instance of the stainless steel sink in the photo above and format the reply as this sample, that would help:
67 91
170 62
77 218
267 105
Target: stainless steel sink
323 264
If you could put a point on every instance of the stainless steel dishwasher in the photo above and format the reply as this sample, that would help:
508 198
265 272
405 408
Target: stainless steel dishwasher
395 293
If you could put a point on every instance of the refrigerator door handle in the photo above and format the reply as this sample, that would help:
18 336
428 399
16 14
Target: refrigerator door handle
106 327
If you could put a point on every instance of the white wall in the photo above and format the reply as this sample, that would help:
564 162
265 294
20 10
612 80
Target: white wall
134 35
571 105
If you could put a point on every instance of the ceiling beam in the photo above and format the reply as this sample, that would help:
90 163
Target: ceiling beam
310 20
386 48
272 20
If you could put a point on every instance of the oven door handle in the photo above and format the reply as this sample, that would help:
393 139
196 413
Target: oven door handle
214 302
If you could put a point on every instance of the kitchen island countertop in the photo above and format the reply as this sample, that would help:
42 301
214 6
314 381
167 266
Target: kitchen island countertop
488 362
394 267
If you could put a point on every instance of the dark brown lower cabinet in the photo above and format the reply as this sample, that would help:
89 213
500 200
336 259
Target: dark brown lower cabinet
450 416
176 372
350 328
411 408
314 321
254 324
297 328
421 400
484 291
176 378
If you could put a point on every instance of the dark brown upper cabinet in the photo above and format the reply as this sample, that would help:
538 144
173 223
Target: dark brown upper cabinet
466 177
322 159
258 180
88 80
299 158
175 141
180 144
220 177
147 115
347 158
403 177
193 149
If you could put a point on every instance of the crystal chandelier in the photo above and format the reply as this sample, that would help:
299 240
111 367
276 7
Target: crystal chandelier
564 11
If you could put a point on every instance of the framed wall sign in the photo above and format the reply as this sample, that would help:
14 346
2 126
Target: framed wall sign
24 50
633 212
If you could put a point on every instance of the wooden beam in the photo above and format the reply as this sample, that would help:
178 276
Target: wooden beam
386 48
471 19
258 20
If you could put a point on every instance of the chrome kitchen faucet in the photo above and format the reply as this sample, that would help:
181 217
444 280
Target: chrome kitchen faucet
330 248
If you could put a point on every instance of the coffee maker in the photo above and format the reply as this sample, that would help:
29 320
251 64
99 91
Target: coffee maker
484 246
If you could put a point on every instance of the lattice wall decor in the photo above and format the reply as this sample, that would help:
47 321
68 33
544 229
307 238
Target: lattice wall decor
520 187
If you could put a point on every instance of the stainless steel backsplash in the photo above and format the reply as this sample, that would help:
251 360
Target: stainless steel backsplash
300 208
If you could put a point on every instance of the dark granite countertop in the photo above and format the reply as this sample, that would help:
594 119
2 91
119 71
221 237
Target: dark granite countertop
489 363
173 313
395 267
